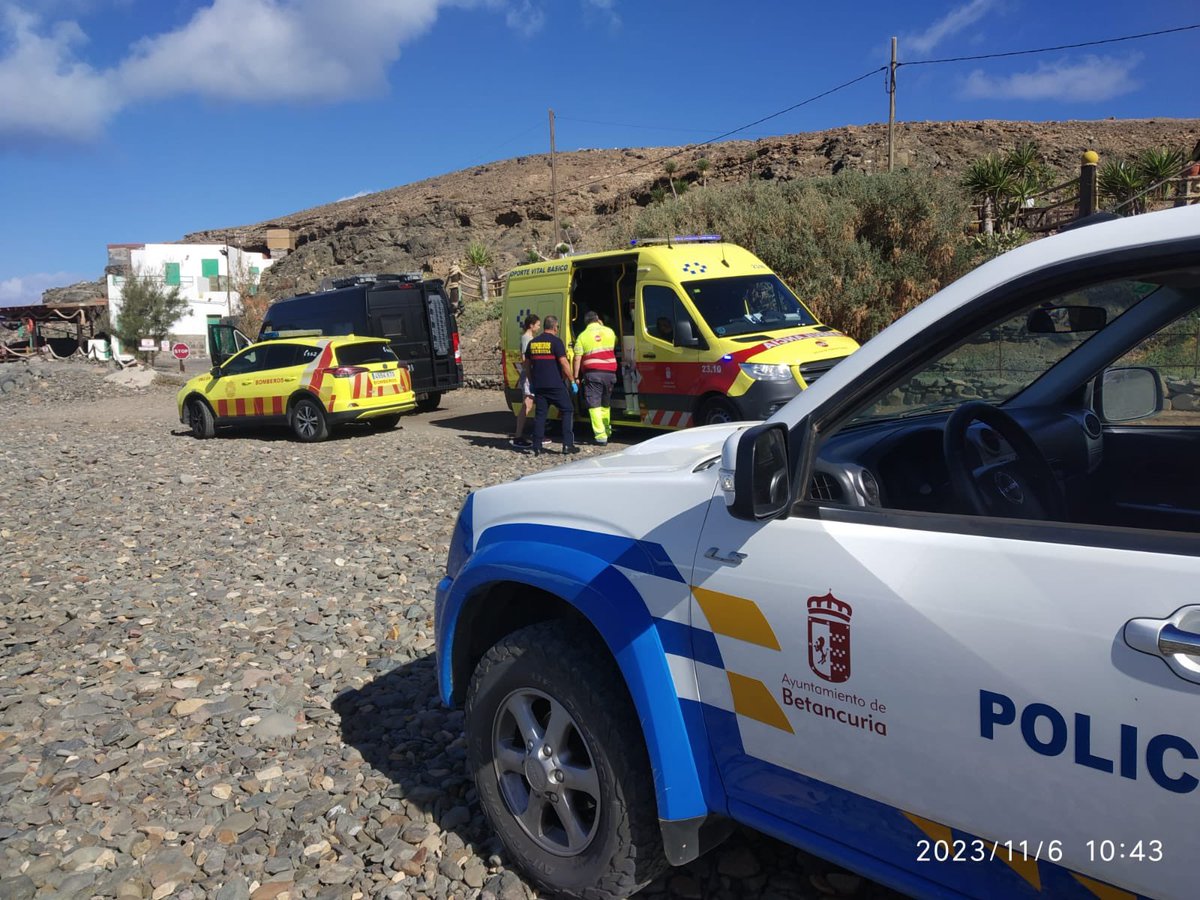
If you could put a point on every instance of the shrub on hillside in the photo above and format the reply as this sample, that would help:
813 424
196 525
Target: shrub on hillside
859 249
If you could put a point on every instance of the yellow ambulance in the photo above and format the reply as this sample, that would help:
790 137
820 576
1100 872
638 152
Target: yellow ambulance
707 333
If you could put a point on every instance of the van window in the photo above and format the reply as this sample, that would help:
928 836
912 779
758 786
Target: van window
661 310
439 323
747 303
330 312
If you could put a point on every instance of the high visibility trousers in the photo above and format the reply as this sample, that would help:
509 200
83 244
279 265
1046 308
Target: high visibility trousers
597 395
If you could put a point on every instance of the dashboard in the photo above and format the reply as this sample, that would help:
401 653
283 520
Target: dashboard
901 464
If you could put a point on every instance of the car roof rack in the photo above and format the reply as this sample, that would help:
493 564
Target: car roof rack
345 281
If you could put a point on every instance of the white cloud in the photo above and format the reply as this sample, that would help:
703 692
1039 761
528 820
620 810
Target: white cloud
357 195
23 290
44 91
524 17
240 50
1095 78
950 24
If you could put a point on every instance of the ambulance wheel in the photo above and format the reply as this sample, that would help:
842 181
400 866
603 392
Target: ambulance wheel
718 412
200 419
384 423
429 402
308 421
553 742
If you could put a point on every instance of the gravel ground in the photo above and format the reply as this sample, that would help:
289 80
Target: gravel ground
216 676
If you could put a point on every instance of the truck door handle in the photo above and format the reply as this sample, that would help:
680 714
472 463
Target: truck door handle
1176 640
733 559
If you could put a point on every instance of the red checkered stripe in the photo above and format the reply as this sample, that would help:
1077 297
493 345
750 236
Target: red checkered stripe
667 418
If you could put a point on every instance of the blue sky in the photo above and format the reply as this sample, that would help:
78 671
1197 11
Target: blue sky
142 120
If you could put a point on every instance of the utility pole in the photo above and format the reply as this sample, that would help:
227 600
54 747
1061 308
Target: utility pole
554 182
892 109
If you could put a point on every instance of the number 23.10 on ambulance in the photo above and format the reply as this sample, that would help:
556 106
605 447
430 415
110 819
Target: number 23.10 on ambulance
707 332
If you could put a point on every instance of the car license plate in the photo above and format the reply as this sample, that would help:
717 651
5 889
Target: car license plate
383 376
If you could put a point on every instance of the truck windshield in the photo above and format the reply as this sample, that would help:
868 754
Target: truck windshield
747 303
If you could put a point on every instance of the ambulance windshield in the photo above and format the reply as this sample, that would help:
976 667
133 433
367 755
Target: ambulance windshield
747 304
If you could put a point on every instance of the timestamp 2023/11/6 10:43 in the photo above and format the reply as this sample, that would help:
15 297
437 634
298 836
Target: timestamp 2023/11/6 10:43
979 850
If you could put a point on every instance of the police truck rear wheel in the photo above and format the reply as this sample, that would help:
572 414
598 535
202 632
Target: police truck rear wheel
200 419
554 744
308 421
429 402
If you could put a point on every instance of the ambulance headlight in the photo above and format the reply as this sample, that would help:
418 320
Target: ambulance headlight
765 372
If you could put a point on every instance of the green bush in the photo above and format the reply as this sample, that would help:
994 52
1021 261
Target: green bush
859 249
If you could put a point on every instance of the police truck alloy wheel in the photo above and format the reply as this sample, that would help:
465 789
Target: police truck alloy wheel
554 745
200 419
308 421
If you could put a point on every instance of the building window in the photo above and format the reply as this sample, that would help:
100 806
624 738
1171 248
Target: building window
171 273
210 268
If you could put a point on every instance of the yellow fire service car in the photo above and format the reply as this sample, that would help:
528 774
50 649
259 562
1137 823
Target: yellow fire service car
307 382
706 332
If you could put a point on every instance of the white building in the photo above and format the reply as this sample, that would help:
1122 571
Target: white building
200 271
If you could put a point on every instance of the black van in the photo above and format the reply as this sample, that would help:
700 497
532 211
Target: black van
412 313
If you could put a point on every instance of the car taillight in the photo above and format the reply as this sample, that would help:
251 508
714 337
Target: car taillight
346 371
457 352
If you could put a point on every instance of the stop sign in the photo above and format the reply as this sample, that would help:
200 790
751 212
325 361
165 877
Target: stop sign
181 351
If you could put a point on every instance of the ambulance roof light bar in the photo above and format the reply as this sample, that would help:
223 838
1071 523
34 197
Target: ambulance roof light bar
677 239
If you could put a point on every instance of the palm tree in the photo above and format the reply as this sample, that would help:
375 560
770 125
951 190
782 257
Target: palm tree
1122 181
1159 167
669 167
990 180
480 255
702 166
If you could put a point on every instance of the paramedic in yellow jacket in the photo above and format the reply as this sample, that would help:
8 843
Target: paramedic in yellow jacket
596 359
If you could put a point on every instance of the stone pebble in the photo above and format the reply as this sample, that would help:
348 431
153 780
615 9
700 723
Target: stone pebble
216 671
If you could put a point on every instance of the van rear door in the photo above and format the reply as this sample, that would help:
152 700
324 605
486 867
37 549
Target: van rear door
397 313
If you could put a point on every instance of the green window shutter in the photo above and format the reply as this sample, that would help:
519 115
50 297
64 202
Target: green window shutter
254 270
172 273
209 268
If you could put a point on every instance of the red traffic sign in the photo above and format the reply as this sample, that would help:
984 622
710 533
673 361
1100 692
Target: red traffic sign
181 351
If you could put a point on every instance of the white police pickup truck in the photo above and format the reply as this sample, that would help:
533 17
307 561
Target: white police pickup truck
937 620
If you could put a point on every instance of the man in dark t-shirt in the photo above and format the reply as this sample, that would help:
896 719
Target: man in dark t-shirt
550 377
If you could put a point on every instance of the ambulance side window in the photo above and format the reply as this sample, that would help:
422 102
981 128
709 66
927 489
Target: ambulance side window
662 310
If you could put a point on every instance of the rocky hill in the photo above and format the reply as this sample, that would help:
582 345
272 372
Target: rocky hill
506 204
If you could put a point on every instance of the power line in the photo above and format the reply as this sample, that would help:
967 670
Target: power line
719 137
1116 40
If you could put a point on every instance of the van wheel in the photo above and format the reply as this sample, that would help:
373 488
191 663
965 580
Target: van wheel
200 419
560 766
718 412
429 402
384 423
308 421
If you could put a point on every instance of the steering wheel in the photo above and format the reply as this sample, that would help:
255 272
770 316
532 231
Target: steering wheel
1024 487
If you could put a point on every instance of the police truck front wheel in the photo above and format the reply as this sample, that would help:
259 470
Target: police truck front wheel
562 773
200 419
308 421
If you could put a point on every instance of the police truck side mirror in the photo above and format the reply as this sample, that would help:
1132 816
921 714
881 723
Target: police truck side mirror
755 472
